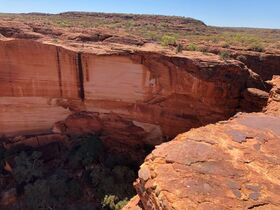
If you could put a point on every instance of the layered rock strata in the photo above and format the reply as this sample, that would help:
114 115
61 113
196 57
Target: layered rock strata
232 164
131 98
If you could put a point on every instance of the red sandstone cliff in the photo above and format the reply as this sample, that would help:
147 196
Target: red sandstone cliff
134 94
228 165
133 98
136 97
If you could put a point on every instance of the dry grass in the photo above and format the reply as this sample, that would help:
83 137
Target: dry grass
155 28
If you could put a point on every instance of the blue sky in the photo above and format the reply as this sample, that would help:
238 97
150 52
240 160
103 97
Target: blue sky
253 13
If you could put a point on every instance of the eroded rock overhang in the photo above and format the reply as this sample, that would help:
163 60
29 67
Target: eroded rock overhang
133 98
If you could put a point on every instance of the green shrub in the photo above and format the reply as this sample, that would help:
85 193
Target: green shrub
192 47
113 202
257 47
203 49
225 45
168 40
47 193
179 48
225 55
98 173
121 204
241 58
28 167
38 196
152 35
117 182
58 189
87 152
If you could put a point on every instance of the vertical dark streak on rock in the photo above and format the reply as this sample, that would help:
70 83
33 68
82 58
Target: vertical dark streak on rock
59 72
170 76
86 69
11 82
80 76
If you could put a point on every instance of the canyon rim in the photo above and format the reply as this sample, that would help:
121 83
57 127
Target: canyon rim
187 123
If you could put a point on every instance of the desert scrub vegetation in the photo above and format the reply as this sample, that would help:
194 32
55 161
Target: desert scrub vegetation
113 202
167 40
225 55
227 39
28 167
225 45
179 48
192 47
84 176
257 47
154 27
241 58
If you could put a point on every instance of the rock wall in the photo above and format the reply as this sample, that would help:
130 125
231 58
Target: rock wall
32 77
265 65
152 95
228 165
32 69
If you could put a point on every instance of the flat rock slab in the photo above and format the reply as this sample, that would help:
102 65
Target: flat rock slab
228 165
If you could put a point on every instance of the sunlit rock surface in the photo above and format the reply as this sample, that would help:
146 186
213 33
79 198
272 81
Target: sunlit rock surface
157 94
232 164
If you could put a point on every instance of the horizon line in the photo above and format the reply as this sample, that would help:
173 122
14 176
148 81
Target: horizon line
144 14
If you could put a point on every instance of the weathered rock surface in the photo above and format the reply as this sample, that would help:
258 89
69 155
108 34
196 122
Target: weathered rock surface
266 65
152 94
134 204
232 164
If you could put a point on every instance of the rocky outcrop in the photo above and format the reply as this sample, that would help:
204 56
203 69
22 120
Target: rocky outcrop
273 107
228 165
131 98
266 65
254 99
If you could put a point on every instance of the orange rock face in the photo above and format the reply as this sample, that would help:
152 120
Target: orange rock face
227 165
154 93
33 77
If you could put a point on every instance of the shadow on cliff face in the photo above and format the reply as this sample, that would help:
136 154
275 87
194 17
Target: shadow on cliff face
82 175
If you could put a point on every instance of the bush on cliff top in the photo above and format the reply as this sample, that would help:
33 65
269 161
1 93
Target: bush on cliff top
225 55
167 40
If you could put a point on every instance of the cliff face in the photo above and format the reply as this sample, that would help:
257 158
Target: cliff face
152 95
263 64
33 76
227 165
140 98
